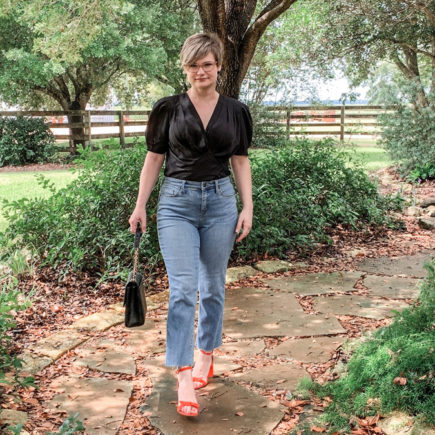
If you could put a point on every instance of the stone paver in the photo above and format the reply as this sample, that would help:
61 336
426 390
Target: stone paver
273 266
236 273
355 305
393 287
148 338
411 265
13 417
427 223
277 376
242 348
55 345
316 283
101 402
308 350
219 402
99 321
106 356
33 363
251 312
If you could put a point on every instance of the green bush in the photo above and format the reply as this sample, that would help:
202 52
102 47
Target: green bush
299 192
302 190
409 137
25 140
269 129
404 349
11 301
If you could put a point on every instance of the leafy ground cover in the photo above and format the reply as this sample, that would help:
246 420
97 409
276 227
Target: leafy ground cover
392 369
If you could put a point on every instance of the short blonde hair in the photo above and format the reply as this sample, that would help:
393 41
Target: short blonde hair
199 45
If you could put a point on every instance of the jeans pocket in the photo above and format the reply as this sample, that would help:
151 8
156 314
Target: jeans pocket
226 190
171 190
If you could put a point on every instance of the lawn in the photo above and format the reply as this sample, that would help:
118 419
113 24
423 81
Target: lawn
16 185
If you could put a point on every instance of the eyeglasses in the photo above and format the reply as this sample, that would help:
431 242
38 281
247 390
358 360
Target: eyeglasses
206 67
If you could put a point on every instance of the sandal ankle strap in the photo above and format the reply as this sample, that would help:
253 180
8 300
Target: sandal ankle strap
206 353
180 369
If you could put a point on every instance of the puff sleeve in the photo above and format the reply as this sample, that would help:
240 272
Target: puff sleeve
157 131
245 132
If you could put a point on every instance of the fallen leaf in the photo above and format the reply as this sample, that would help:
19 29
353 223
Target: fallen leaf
317 429
240 413
399 381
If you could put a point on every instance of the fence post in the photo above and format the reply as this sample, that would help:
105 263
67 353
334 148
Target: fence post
88 132
121 129
287 128
342 123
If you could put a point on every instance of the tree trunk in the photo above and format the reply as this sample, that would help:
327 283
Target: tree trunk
231 20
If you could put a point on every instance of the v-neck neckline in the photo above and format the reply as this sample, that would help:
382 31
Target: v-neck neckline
204 129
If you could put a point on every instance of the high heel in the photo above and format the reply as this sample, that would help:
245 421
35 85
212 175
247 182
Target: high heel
181 403
202 381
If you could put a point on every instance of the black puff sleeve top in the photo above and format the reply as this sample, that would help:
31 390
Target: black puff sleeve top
193 153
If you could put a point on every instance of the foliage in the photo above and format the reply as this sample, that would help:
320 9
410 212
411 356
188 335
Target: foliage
269 131
85 225
70 426
302 190
25 140
64 52
282 69
409 137
11 301
94 209
363 33
404 350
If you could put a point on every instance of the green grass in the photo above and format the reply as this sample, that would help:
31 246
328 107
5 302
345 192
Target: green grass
16 185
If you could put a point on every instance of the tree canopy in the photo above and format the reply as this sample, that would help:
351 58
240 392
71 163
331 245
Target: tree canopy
68 51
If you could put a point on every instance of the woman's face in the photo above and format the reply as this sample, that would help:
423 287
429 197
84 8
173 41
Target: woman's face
202 73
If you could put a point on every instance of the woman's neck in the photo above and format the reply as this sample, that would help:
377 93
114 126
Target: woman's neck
203 94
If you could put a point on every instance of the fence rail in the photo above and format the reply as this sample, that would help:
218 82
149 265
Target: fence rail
88 125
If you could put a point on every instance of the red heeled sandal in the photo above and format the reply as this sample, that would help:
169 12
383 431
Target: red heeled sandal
181 403
203 381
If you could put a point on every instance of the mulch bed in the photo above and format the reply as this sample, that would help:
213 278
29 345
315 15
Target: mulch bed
38 167
58 302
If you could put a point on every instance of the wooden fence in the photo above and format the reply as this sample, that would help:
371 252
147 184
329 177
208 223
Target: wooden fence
337 120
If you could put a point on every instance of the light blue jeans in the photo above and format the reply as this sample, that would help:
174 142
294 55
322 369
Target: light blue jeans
196 223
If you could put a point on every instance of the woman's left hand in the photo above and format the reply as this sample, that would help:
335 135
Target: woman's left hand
244 223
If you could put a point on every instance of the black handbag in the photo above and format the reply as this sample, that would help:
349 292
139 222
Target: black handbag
134 297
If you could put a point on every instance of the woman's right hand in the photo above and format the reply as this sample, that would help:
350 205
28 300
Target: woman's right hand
138 215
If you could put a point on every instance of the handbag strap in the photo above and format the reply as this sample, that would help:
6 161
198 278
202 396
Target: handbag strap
137 237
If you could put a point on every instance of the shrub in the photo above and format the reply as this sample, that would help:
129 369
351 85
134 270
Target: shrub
405 349
25 140
269 130
409 137
299 192
11 301
302 190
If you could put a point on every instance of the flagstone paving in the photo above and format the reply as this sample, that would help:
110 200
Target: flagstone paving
252 312
318 349
410 265
276 376
250 316
225 408
393 287
101 402
316 283
362 306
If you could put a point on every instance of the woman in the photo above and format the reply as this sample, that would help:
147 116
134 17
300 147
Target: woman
197 219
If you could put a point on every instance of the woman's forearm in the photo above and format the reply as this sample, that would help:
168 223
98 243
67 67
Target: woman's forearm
148 177
242 176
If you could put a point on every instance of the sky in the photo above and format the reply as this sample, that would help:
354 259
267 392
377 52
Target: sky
332 89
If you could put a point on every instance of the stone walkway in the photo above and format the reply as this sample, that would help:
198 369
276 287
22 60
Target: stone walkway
251 315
